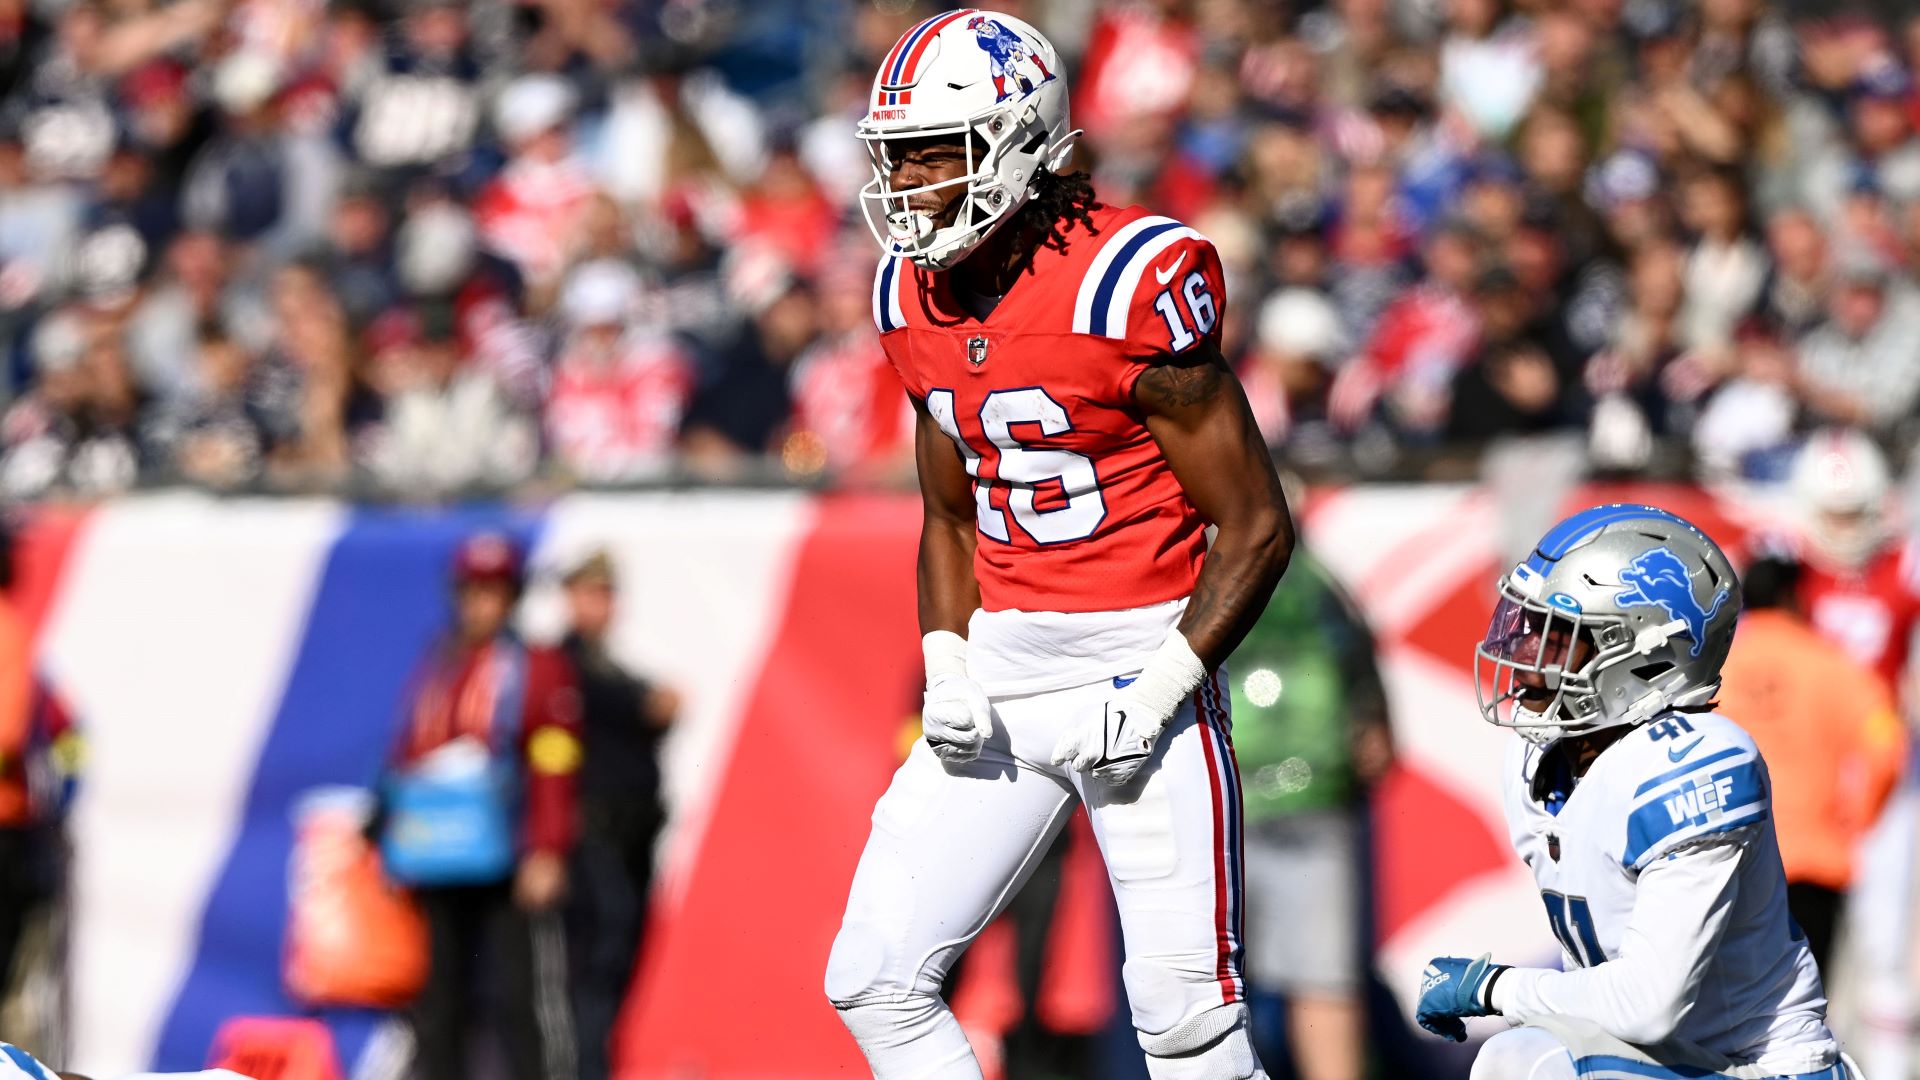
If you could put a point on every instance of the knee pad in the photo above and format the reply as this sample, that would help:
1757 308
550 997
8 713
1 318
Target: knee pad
1164 991
1523 1053
857 966
1212 1046
880 1023
912 1038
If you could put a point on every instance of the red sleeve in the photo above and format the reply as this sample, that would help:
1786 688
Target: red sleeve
1179 297
550 745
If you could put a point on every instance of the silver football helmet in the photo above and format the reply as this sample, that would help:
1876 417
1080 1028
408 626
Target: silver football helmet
1621 613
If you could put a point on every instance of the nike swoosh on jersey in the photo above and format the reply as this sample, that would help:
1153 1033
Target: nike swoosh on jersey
1121 682
1680 752
1167 275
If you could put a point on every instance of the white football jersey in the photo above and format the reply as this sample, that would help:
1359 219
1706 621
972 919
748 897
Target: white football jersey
1682 789
17 1064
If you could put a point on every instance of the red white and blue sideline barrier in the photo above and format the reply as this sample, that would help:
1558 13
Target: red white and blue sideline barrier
225 655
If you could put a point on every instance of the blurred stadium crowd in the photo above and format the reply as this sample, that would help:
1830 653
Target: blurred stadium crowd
418 247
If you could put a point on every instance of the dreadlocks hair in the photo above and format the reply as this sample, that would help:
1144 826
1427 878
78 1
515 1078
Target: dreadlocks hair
1058 201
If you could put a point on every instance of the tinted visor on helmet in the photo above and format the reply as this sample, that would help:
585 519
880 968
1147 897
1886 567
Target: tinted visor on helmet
1534 654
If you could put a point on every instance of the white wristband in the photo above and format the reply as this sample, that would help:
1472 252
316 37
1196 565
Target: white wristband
945 653
1173 673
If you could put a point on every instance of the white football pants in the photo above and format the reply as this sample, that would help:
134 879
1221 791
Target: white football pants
951 845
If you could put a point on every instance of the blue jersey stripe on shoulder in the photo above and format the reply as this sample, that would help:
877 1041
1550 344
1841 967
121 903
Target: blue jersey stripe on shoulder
1117 269
1731 751
1726 799
883 306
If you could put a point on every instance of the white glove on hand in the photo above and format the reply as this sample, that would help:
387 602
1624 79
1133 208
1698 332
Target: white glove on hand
954 715
1112 741
1115 739
955 718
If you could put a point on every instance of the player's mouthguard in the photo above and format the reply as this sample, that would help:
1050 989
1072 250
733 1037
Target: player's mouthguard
909 227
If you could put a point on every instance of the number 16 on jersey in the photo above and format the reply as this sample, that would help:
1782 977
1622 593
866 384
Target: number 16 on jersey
1023 469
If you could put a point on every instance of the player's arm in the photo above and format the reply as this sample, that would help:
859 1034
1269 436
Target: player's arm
1681 906
955 715
949 593
1198 414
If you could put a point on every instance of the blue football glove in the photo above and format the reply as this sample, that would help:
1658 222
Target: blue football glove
1453 987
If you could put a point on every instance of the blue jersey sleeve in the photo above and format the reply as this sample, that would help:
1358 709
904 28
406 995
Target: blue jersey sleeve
1707 781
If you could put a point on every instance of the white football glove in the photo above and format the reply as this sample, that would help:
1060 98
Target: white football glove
954 715
1114 739
1111 740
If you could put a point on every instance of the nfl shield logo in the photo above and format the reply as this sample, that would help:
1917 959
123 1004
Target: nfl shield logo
976 351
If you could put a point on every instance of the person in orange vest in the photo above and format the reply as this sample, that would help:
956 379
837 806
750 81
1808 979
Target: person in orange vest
1832 740
479 815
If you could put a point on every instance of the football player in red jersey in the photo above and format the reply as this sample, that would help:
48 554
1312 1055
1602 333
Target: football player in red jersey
1860 588
1077 433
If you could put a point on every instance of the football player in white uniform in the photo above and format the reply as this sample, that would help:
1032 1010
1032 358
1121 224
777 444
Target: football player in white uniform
1644 816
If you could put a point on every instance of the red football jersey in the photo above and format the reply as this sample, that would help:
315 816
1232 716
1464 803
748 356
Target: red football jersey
1871 613
1077 509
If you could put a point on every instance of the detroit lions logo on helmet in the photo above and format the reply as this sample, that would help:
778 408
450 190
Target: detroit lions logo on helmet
1658 578
1008 52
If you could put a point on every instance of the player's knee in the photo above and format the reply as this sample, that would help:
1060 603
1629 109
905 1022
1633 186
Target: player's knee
1523 1053
857 967
1163 991
880 1023
1213 1045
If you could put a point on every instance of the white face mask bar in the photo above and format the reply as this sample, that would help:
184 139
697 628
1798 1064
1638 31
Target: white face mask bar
911 234
1523 656
1528 652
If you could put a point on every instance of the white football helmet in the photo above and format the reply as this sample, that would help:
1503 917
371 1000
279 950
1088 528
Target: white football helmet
987 77
1841 483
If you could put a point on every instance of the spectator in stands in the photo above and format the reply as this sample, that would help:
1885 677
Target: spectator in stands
1646 361
1511 386
1834 745
850 414
620 386
1746 428
487 716
1795 297
190 291
1419 344
1725 269
1311 735
77 432
417 105
744 409
1299 345
448 424
214 435
1857 368
623 718
530 211
358 254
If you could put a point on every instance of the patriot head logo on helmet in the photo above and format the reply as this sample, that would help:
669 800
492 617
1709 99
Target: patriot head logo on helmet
987 81
1011 57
